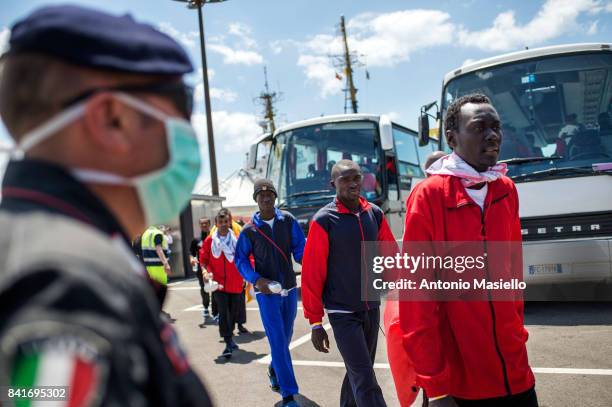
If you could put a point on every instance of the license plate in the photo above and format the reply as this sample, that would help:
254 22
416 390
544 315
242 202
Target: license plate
540 269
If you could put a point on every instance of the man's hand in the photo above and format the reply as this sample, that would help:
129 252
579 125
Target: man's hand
194 261
447 401
262 285
320 340
167 268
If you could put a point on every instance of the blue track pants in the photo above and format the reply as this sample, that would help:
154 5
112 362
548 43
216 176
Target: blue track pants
278 315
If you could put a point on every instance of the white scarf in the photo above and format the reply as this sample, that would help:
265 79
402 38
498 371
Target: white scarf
454 165
225 244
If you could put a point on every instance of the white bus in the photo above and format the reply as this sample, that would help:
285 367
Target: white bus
301 156
555 105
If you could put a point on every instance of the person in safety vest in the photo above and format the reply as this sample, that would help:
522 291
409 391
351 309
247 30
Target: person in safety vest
155 253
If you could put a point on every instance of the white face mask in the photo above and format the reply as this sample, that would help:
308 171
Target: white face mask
163 193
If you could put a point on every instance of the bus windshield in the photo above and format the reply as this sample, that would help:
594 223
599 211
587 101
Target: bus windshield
301 160
557 107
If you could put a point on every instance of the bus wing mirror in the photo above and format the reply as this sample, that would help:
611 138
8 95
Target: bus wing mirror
252 158
386 132
423 129
252 154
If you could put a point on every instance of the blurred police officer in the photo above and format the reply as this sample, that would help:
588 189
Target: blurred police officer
99 114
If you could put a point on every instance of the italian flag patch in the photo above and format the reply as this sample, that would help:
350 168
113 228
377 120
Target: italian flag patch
66 363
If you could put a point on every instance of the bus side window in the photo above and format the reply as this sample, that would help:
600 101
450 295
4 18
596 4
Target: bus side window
391 170
424 151
407 157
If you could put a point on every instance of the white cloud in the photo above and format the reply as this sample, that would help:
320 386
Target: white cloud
320 70
5 145
468 61
224 95
234 131
188 39
555 18
243 32
5 34
236 56
211 73
593 28
386 39
601 6
242 51
278 46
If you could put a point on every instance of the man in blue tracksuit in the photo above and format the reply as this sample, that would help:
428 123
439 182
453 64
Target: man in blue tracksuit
271 237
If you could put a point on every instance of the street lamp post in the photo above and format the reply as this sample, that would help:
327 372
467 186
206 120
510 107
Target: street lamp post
214 182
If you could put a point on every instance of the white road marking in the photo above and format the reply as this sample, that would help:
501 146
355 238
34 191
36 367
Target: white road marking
541 370
299 341
306 338
181 282
198 307
561 370
332 364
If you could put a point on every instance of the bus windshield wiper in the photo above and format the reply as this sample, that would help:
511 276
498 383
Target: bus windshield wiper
523 160
312 196
303 193
559 171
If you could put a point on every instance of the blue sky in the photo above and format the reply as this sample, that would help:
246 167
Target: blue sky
407 47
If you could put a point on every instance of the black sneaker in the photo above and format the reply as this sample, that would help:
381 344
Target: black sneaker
242 329
289 402
274 386
233 345
227 353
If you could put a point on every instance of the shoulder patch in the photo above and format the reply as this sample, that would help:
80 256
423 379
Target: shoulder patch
55 354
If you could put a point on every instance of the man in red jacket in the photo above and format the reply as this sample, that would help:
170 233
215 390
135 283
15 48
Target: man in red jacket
468 353
217 256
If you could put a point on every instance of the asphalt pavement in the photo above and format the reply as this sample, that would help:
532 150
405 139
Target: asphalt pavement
570 350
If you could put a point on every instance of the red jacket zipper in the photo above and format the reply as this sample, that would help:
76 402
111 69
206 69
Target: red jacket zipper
491 308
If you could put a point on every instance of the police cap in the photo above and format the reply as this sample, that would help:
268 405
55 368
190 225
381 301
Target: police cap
91 38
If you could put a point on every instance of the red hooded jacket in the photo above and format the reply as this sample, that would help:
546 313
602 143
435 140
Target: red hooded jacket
223 271
471 350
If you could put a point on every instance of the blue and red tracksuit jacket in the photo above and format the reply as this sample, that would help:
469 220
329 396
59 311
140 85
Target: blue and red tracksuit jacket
272 260
331 268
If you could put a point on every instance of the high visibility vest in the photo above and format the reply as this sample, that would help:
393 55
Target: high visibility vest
154 265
